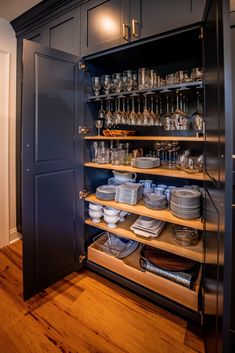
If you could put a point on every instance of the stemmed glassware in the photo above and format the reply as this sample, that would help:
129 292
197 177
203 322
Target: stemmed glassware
152 115
158 121
167 119
138 114
108 116
133 116
117 82
96 84
107 83
197 117
99 125
118 114
145 115
101 112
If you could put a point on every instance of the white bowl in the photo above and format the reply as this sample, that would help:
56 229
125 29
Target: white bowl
95 214
111 221
111 211
95 207
146 221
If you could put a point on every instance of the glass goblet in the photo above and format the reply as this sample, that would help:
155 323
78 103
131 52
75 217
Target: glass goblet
99 125
96 84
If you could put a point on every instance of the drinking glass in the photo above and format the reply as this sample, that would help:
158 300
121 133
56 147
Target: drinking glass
96 84
152 115
138 114
117 114
145 115
117 82
107 83
196 74
143 78
101 112
129 80
98 125
133 116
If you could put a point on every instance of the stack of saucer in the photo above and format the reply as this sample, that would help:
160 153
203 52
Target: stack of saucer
129 193
106 192
185 203
155 201
147 227
146 162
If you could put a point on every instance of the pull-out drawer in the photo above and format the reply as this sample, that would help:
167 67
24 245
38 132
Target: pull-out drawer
129 267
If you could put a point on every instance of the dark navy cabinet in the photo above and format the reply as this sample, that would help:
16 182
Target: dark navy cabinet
153 17
53 153
104 24
52 173
62 32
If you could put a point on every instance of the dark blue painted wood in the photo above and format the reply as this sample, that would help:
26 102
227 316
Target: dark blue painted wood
218 177
52 220
101 24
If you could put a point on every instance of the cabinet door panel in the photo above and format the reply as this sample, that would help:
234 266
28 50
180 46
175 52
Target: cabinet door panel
55 222
55 111
51 167
160 16
102 24
64 32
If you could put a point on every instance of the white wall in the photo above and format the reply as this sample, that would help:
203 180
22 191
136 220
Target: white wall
8 47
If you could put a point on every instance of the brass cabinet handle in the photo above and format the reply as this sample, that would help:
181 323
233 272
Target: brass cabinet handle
125 31
134 26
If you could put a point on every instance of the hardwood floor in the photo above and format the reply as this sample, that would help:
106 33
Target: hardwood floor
85 313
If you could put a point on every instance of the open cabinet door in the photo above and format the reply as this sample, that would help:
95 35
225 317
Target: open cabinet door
52 166
218 176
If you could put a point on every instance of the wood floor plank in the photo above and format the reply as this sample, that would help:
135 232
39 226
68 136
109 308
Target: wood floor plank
85 313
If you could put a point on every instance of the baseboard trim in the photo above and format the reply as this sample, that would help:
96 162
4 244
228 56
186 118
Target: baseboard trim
14 235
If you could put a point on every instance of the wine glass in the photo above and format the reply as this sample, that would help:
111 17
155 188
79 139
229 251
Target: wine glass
96 84
101 112
168 122
133 116
152 115
108 116
98 125
145 115
117 114
117 82
139 115
197 117
107 83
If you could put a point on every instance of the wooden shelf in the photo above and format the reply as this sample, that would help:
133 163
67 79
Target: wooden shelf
142 210
172 172
164 241
147 138
129 268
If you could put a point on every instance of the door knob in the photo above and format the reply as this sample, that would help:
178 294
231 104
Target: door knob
83 130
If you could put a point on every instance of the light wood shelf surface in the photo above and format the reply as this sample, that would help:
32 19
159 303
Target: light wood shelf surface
172 172
147 138
164 241
129 268
141 209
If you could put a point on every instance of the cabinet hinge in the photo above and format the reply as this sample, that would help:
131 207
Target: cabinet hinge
83 130
81 258
201 35
82 66
83 194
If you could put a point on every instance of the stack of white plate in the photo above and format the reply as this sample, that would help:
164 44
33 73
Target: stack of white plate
146 162
106 192
129 193
185 203
147 227
155 201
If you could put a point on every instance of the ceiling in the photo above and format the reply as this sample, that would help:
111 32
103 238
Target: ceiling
10 9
